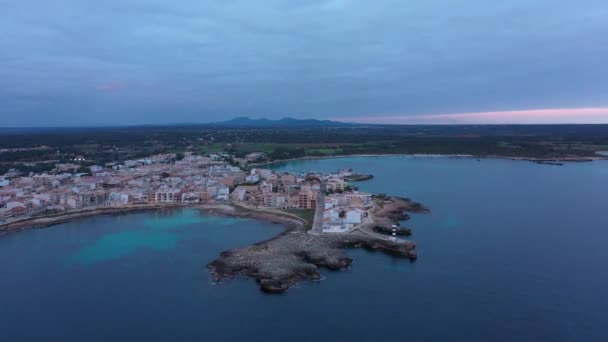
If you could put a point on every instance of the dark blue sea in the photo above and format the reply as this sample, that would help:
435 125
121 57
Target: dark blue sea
512 251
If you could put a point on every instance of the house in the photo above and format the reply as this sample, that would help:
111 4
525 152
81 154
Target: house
94 198
43 179
331 215
74 201
311 186
254 178
228 181
42 198
266 187
139 197
117 198
331 202
354 216
5 214
274 200
190 197
307 199
335 185
18 212
263 173
293 202
223 193
167 195
287 179
238 194
358 199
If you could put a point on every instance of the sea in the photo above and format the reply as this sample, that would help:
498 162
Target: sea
511 251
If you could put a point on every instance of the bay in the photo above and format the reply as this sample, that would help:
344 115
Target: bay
512 250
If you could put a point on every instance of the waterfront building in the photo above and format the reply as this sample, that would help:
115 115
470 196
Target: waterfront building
164 195
307 199
335 185
5 214
238 194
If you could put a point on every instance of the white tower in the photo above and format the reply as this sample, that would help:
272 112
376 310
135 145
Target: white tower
394 237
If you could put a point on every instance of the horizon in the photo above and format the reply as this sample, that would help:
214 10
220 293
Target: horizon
362 123
157 63
594 116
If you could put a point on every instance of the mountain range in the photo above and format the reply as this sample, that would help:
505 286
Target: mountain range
284 122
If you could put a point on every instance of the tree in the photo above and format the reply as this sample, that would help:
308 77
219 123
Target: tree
82 169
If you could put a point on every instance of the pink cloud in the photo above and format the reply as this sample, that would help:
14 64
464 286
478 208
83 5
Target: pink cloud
532 116
111 87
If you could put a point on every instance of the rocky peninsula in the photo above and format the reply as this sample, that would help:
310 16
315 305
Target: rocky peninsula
296 255
357 177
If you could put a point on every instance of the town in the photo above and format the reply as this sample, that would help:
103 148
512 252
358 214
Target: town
185 179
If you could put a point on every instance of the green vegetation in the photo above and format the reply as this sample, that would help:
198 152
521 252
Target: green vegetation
308 215
40 149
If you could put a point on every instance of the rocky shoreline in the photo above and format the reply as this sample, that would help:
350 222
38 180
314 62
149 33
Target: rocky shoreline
280 262
358 178
295 255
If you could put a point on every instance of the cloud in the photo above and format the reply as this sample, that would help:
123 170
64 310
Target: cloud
336 4
532 116
111 87
317 58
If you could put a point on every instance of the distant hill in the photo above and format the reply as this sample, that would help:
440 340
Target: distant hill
285 122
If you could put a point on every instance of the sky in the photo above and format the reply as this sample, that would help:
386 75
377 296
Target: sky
126 62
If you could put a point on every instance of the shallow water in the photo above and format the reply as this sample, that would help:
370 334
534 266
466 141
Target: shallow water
511 251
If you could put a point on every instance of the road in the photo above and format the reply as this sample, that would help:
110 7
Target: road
317 225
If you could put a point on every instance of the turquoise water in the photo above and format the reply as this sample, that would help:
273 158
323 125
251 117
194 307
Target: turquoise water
158 233
512 251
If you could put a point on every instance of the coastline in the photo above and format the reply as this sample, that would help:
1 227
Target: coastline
54 219
295 255
228 210
426 155
277 263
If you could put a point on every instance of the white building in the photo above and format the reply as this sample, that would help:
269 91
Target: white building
238 194
357 198
354 216
252 178
223 193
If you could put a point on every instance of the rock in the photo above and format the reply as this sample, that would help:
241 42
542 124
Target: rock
358 178
294 255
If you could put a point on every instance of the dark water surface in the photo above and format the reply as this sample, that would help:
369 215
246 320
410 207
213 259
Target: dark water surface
513 251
